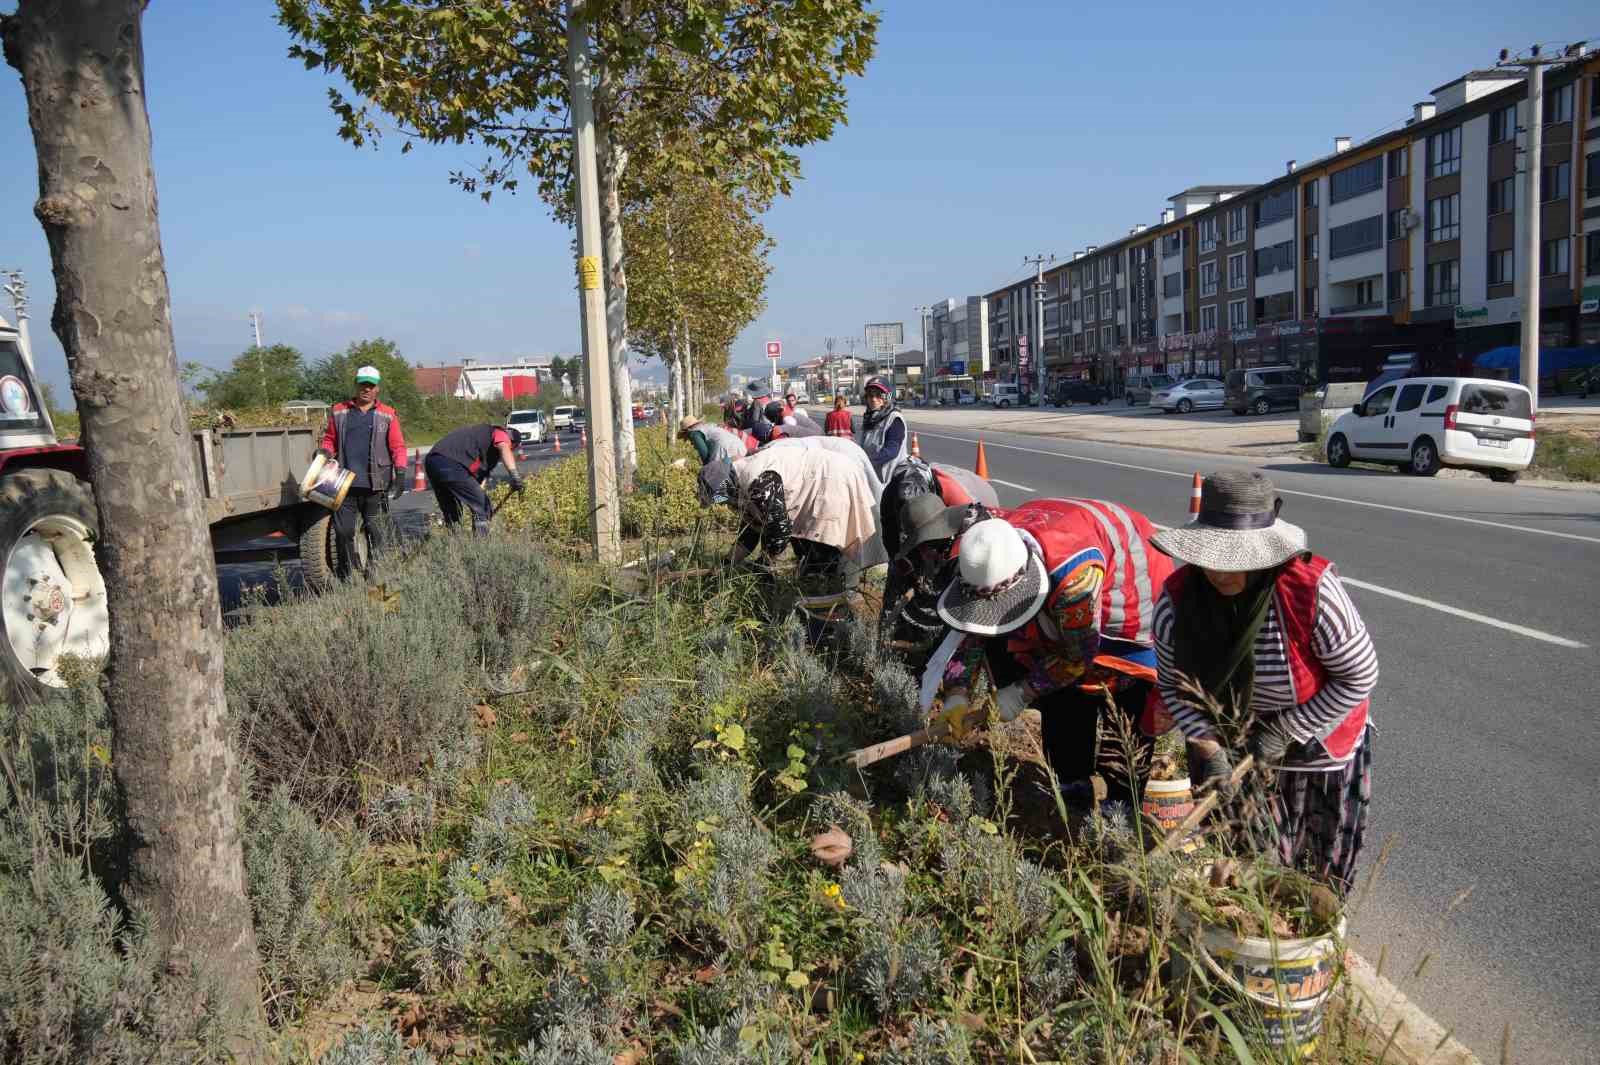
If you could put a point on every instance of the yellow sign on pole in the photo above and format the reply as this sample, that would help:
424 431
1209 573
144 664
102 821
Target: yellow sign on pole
588 272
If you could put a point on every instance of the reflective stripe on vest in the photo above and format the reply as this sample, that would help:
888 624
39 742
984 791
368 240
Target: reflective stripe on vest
1130 566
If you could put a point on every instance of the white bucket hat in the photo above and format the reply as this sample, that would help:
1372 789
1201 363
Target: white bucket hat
1000 582
1238 529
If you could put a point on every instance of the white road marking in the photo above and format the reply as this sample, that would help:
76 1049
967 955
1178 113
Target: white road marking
1482 619
1010 484
1292 492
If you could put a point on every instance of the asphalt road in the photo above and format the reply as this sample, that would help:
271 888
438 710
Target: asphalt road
1487 737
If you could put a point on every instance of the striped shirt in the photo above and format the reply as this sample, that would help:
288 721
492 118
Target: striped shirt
1339 641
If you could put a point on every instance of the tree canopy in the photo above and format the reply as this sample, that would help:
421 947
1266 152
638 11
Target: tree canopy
333 378
259 377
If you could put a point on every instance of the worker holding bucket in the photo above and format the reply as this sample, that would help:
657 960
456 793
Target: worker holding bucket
363 464
461 461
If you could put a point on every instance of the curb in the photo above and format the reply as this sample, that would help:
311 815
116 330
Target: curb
1385 1010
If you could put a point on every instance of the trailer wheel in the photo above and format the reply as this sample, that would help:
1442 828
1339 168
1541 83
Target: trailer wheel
319 554
52 596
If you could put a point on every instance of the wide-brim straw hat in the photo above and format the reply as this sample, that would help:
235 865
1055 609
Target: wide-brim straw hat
687 422
1001 583
1238 529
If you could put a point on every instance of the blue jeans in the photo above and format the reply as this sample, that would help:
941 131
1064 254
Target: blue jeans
454 487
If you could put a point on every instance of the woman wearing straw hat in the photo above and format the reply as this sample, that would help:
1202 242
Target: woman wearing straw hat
1265 628
710 442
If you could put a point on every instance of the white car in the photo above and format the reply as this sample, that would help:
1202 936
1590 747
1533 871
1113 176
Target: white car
561 418
1426 423
530 423
1185 396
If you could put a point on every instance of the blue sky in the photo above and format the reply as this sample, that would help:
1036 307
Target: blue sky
981 133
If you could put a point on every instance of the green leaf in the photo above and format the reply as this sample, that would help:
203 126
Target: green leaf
795 753
1241 1051
750 1035
732 737
797 979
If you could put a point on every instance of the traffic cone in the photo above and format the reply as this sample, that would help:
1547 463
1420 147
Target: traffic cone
583 438
916 447
420 481
557 435
1194 500
982 468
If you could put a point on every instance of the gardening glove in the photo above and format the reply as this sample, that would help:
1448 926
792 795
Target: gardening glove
1218 772
1269 742
1011 700
516 484
401 482
959 717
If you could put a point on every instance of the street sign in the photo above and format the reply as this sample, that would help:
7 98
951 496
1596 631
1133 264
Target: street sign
884 337
958 368
774 349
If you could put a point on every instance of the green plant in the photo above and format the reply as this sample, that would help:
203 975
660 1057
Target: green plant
374 1046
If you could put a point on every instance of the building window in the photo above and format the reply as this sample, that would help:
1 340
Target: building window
1591 172
1208 318
1105 305
1208 278
1105 271
1171 244
1310 302
1311 192
1399 285
1397 228
1238 316
1444 283
1594 97
1355 237
1076 280
1555 257
1367 292
1274 207
1558 104
1105 337
1503 267
1236 272
1356 180
1503 195
1503 124
1591 255
1278 257
1555 182
1172 285
1208 234
1275 308
1399 162
1088 308
1444 152
1444 218
1237 224
1311 246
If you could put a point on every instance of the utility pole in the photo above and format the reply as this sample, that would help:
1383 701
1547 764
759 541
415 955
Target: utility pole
922 315
1533 163
255 325
1038 262
605 513
261 366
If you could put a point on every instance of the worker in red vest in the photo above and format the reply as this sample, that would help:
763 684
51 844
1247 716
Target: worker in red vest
364 437
1052 608
1265 628
840 422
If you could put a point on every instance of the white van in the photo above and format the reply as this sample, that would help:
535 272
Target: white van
530 423
1007 395
561 418
1427 423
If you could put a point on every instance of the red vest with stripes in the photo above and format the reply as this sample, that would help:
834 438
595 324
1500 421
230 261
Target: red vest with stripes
1295 596
1135 570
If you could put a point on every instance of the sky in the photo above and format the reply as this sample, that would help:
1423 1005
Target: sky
981 133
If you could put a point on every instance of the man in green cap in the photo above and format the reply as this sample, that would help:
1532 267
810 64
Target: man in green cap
364 437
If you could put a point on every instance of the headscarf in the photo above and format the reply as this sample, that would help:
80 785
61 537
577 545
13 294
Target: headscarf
874 417
1214 635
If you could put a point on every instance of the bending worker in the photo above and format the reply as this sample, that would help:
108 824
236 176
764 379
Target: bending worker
461 461
1053 606
1265 628
363 436
711 441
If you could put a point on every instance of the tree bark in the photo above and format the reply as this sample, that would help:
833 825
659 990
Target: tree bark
82 66
613 160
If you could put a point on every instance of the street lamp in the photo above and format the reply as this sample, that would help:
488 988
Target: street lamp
922 315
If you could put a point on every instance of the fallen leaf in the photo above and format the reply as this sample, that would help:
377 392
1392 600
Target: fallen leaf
705 974
519 737
631 1056
832 847
485 714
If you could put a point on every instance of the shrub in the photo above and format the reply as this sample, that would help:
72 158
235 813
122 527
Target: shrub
296 873
507 590
326 688
373 1046
592 997
933 1043
740 1040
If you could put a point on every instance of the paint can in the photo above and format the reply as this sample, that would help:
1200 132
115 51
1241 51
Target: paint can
326 483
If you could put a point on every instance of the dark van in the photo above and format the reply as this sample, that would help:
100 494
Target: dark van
1261 389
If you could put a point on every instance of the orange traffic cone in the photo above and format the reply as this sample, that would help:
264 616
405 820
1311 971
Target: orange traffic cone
916 447
420 481
1194 500
982 468
557 435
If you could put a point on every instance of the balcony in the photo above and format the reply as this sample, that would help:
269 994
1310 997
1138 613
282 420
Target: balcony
1355 308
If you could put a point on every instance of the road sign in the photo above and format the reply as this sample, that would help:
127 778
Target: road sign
774 349
958 368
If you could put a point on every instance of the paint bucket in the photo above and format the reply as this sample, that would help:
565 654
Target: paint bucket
1167 803
1281 986
326 483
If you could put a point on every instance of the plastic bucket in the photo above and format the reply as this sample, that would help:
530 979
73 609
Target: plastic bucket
326 483
1282 984
1167 803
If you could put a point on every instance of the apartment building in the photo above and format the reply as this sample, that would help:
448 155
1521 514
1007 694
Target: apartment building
958 342
1407 241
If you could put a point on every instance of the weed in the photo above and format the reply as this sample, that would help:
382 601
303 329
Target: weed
373 1046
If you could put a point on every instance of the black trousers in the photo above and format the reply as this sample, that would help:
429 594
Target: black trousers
454 487
373 510
1070 727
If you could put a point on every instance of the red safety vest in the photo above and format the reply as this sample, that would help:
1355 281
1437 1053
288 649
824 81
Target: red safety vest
1296 599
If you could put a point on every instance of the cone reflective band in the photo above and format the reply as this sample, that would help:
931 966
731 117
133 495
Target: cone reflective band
916 447
1194 499
420 481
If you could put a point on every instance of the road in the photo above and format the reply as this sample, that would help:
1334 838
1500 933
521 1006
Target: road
1481 598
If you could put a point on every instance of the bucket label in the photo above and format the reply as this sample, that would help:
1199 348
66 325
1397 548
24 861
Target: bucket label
1293 983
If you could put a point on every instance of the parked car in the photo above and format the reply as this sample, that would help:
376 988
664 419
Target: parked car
1071 392
561 418
1426 423
580 419
530 423
1006 395
1259 390
1185 396
956 397
1141 386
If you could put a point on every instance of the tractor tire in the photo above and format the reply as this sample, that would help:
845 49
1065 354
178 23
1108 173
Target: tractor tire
52 596
319 555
